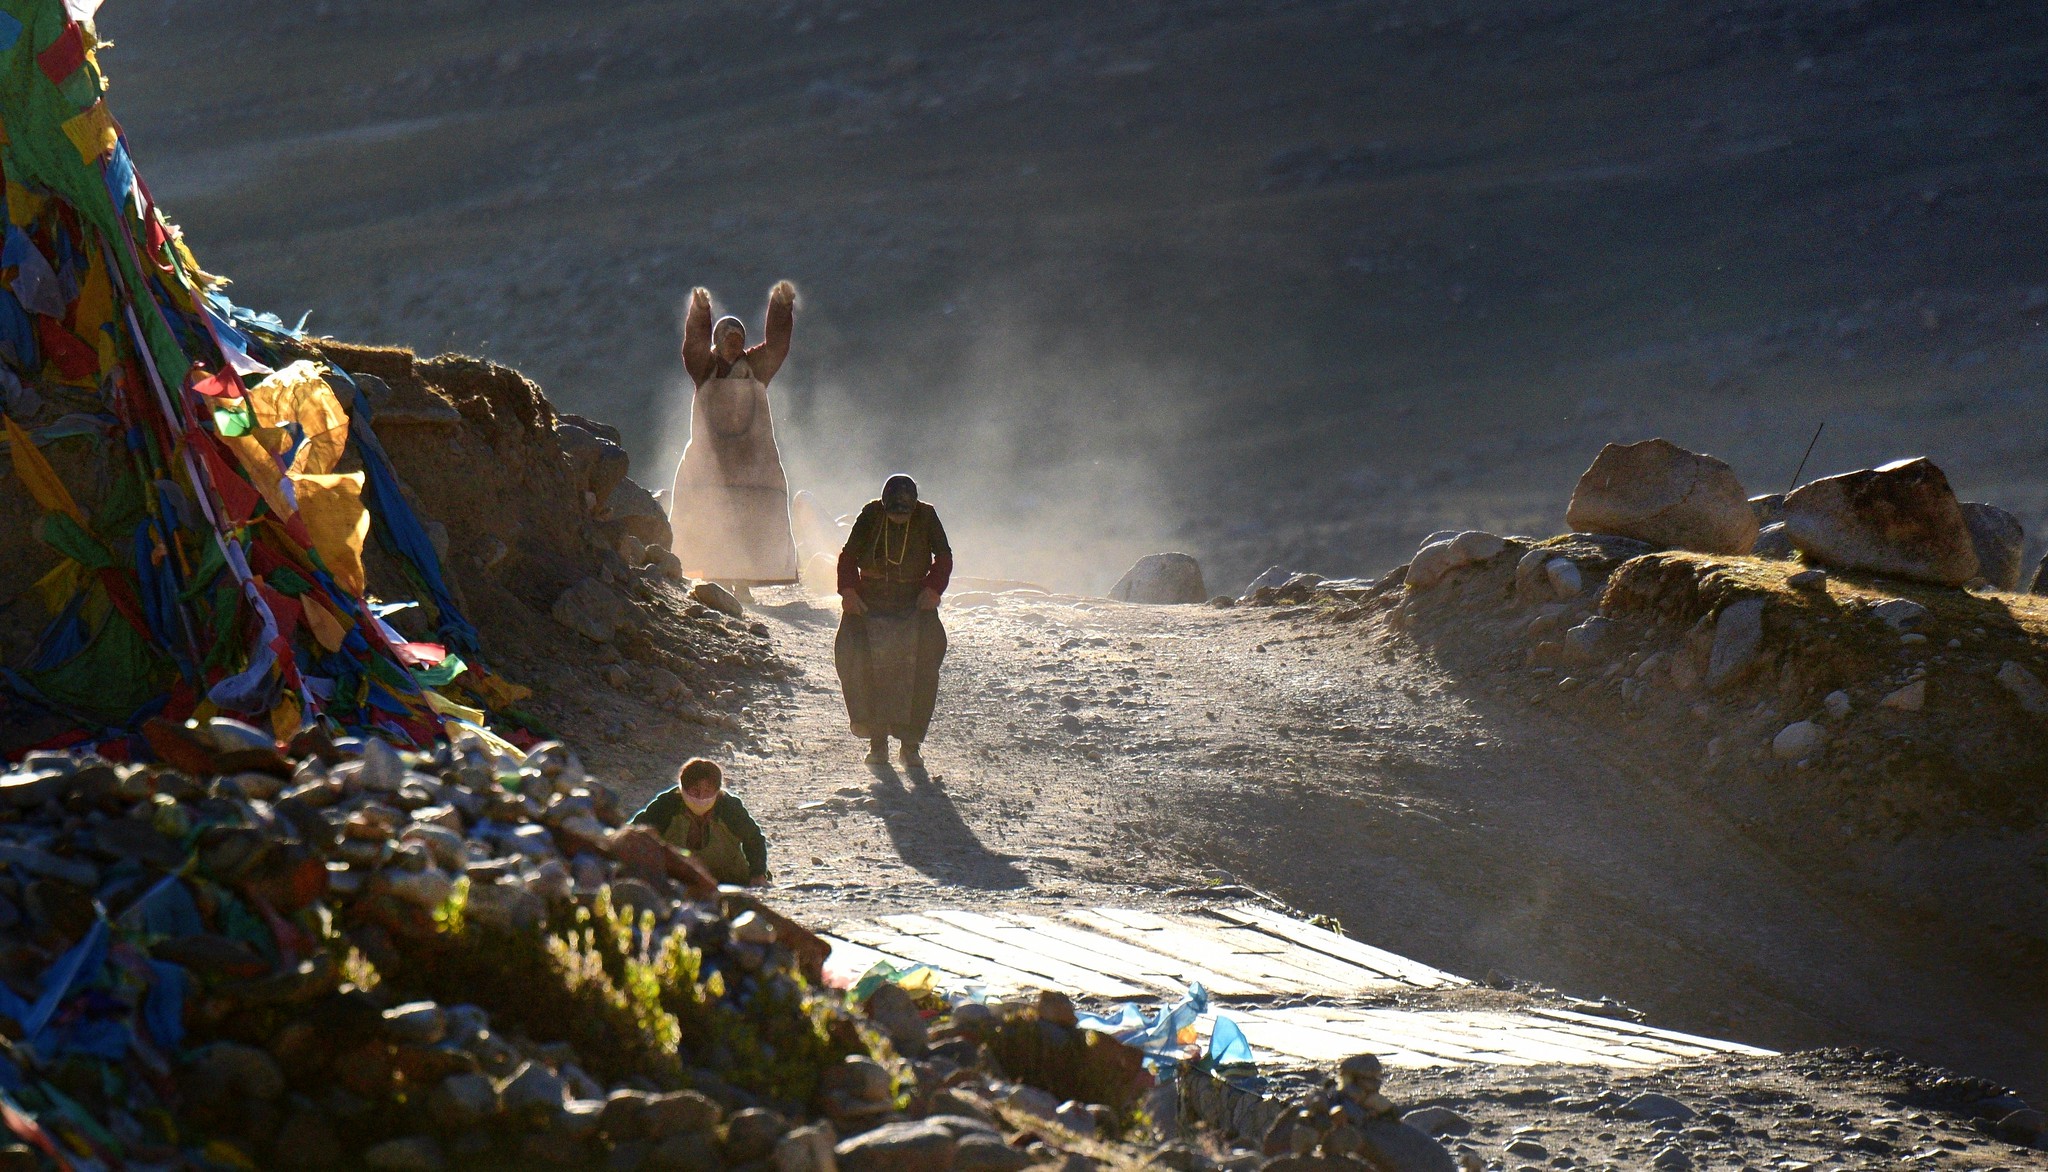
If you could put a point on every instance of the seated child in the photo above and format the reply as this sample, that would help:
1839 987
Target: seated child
713 825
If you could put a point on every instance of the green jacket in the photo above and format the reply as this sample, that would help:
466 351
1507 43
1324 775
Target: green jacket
668 805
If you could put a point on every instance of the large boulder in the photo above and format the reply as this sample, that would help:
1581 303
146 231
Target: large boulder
594 610
638 513
1658 492
1162 579
597 463
1901 520
1999 540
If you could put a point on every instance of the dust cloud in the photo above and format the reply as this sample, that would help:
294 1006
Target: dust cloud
1049 456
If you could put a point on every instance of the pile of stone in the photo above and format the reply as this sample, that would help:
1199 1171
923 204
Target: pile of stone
352 956
1899 520
344 955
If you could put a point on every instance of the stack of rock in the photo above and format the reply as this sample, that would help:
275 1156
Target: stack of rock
344 955
349 955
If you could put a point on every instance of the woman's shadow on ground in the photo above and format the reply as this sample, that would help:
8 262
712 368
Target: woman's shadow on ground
929 834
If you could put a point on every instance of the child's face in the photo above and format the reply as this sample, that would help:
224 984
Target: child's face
701 788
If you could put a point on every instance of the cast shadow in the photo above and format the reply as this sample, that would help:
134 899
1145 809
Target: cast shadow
929 834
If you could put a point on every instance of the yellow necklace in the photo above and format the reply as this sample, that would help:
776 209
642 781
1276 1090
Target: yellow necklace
884 536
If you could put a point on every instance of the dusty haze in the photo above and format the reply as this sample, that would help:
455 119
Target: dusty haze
1268 280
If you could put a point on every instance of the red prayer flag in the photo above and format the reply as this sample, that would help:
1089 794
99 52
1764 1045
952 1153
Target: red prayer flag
64 55
420 654
224 385
74 359
237 495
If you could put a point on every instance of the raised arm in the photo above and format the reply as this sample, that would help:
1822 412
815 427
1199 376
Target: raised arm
766 356
697 336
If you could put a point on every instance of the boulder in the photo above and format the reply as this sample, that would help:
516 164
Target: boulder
1162 579
1901 520
1658 492
593 610
1999 539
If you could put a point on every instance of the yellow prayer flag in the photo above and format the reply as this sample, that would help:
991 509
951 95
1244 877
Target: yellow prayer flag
55 588
36 473
332 508
261 464
93 132
298 394
326 626
284 719
447 707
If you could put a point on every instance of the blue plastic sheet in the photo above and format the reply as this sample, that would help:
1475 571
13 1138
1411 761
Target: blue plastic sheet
1227 1044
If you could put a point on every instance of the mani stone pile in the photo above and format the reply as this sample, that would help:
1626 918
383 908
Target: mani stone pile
345 955
341 955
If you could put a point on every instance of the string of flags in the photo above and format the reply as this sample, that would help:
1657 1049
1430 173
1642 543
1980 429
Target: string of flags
206 488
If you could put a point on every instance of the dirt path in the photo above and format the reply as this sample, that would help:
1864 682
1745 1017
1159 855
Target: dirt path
1088 751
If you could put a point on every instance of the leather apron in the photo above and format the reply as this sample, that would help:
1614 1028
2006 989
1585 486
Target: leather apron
729 508
722 854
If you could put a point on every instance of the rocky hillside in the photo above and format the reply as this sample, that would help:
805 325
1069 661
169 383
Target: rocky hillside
1339 275
1881 736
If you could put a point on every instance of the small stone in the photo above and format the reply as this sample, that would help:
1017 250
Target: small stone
667 1114
690 1151
1837 704
307 1140
463 1101
892 1009
1566 582
1076 1117
1808 580
1437 1121
1898 613
412 1153
1671 1158
241 1071
1058 1009
1438 558
988 1153
1032 1101
1528 1149
417 1023
1738 637
753 1134
920 1146
1911 698
718 598
1585 641
506 908
532 1086
429 889
1650 1105
2025 686
809 1149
